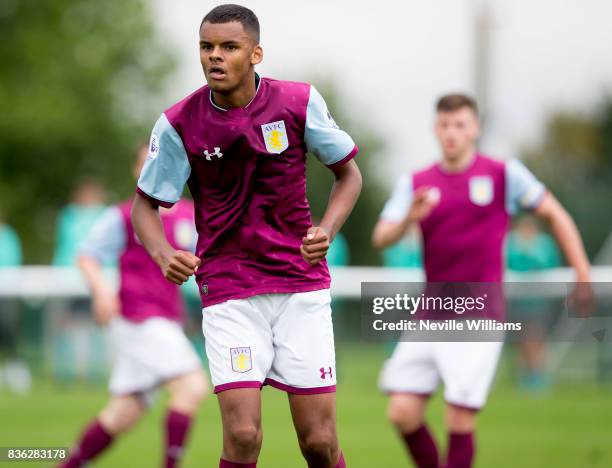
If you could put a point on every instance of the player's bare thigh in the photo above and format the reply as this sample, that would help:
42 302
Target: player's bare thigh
406 411
187 391
314 418
241 418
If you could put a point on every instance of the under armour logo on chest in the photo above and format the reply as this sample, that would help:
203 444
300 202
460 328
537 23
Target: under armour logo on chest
217 153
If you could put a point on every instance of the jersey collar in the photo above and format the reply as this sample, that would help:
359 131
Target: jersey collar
465 170
257 85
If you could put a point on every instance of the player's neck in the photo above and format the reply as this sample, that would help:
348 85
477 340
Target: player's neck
459 164
240 97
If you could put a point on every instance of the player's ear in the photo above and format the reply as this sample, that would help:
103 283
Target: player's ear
257 55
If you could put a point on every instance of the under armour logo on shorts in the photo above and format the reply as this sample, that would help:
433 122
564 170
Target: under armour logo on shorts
325 373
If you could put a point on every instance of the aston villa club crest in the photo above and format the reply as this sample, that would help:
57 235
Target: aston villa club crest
481 190
241 359
275 136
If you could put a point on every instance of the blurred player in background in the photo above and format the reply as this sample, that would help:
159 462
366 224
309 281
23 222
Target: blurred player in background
74 222
76 219
10 245
14 371
405 253
145 319
529 249
240 143
463 206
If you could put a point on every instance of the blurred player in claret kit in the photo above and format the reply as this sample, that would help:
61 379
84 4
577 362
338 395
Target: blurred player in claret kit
240 144
145 320
463 206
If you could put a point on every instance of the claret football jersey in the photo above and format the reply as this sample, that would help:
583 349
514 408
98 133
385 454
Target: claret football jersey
246 170
463 236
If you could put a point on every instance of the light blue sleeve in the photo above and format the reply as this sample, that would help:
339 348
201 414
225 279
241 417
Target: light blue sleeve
523 190
397 206
106 240
167 167
323 137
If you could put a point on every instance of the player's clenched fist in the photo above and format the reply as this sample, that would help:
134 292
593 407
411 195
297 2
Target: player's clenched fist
315 245
582 299
425 199
179 266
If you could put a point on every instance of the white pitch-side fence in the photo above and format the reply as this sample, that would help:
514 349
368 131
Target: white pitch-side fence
40 282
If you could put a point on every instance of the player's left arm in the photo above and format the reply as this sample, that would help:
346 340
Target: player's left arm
344 194
336 149
564 230
525 192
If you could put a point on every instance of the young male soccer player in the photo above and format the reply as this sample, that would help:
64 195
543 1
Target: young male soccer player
463 205
240 144
151 349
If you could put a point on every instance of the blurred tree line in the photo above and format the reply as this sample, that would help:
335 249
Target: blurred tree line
574 160
359 226
82 82
79 84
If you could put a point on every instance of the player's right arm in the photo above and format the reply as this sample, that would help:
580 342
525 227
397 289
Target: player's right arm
176 265
161 183
404 208
104 243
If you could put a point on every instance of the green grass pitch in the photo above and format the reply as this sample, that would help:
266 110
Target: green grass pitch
569 427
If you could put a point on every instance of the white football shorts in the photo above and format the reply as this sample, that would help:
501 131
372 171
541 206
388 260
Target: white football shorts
148 353
465 368
282 340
